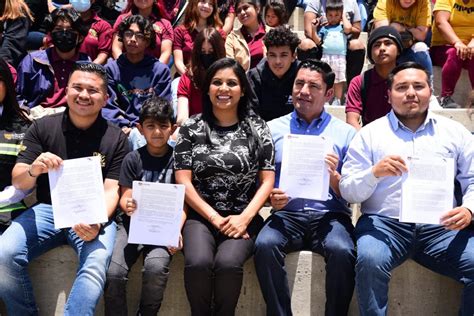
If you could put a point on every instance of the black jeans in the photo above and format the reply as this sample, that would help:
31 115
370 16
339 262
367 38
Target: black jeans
156 261
354 63
213 267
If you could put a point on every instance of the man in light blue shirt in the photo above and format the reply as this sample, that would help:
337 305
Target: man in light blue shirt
372 174
320 226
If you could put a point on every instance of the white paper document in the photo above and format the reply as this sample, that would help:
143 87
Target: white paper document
427 190
157 220
77 192
304 174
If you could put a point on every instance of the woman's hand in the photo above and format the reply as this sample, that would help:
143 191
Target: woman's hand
470 46
462 51
130 206
173 250
235 226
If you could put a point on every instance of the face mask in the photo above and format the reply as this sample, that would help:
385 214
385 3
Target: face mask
65 41
207 60
303 55
80 5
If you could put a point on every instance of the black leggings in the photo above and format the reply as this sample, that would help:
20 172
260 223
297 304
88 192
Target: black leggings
213 267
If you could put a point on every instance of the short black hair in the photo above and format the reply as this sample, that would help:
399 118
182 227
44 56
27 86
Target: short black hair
407 65
145 26
66 14
321 67
335 5
157 109
281 36
87 66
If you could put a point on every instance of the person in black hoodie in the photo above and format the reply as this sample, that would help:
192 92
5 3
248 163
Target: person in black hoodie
272 79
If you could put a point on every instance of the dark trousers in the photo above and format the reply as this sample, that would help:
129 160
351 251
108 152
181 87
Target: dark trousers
354 63
213 267
156 261
329 234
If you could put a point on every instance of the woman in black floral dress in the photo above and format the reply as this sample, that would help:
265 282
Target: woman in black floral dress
224 157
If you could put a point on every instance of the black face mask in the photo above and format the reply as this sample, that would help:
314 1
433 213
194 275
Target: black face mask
65 41
303 55
207 60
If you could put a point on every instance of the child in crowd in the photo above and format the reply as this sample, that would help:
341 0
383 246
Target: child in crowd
275 14
134 76
333 38
152 163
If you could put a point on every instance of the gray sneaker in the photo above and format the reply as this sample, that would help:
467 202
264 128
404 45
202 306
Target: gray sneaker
447 102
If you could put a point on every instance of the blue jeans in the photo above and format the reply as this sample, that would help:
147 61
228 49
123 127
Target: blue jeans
421 57
384 243
329 234
30 235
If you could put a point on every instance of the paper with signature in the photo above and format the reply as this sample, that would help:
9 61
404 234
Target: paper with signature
427 190
304 174
157 220
77 193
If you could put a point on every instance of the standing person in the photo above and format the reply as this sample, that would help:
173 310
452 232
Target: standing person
43 75
452 45
272 79
162 47
79 131
219 156
372 175
367 98
134 76
15 20
13 125
333 39
208 48
323 227
152 163
314 18
199 14
412 19
246 44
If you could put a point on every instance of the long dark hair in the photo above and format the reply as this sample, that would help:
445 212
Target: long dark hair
131 7
245 114
11 109
256 4
214 38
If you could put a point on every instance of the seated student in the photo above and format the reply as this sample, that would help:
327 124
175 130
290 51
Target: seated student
272 79
15 20
333 39
79 131
43 75
13 125
134 76
208 47
226 14
275 14
367 93
412 19
372 174
152 163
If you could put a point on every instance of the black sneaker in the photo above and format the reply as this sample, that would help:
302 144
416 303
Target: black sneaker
447 102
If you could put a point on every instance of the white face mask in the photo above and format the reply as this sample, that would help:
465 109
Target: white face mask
80 5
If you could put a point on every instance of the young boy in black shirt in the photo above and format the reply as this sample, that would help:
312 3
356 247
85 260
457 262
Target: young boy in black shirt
152 163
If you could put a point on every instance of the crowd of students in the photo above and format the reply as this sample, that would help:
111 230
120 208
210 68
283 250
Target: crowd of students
94 88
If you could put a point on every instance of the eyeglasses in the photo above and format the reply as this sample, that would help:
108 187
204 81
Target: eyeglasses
138 35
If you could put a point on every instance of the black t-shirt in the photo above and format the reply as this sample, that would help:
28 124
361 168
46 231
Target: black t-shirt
224 172
139 165
57 134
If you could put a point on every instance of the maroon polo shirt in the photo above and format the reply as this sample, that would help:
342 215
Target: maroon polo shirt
99 38
61 68
162 27
255 44
376 96
168 8
184 41
186 88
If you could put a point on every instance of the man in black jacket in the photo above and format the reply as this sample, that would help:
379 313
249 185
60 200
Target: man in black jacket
272 79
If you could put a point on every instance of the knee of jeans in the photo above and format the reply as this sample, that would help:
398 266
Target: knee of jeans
419 47
267 242
156 266
370 257
341 250
10 255
117 271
